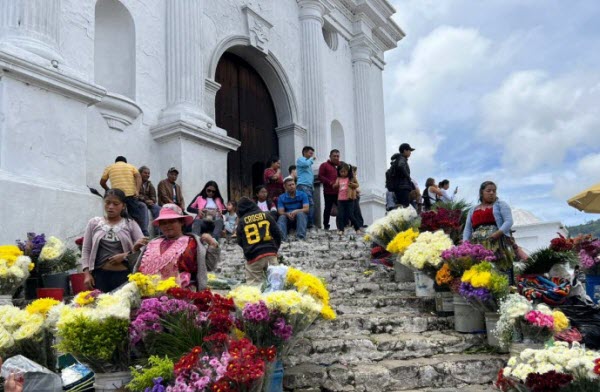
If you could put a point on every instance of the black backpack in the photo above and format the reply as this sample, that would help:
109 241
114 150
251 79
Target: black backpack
391 176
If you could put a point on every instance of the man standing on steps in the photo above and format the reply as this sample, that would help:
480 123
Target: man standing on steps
327 176
293 208
397 177
169 192
306 179
127 178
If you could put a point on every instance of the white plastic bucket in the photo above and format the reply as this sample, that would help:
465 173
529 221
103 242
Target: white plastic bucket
109 382
491 319
467 319
424 285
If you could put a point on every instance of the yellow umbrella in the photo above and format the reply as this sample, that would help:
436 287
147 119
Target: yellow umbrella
588 200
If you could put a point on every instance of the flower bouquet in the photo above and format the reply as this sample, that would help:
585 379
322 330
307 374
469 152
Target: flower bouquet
95 328
483 287
402 241
589 256
425 254
385 229
457 260
443 219
512 310
556 368
27 332
14 269
55 257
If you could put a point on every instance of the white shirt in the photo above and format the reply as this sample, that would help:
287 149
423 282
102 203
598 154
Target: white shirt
210 204
263 205
447 195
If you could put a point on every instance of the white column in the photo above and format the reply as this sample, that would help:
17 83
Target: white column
311 20
185 76
32 25
363 112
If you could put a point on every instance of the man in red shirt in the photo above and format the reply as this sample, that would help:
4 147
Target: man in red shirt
327 177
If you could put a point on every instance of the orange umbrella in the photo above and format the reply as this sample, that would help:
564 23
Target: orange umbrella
588 200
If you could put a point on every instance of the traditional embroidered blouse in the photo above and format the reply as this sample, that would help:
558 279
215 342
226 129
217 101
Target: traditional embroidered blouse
171 258
483 217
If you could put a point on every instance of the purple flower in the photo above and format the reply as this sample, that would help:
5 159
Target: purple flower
158 387
475 252
256 312
282 330
470 293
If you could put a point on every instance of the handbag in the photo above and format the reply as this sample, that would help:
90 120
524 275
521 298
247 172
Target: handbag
334 210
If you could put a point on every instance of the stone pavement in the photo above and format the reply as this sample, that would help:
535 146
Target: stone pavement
384 339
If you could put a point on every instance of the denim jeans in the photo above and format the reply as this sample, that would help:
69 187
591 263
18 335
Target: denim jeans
299 223
155 209
309 190
139 212
214 228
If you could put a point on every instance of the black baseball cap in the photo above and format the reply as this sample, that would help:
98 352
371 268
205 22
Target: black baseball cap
173 169
406 146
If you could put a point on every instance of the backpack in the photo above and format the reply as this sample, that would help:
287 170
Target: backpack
391 176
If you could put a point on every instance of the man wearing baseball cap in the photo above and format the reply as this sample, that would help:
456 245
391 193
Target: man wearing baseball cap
397 178
169 192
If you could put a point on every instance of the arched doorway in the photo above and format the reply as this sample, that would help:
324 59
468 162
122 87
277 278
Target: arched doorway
244 108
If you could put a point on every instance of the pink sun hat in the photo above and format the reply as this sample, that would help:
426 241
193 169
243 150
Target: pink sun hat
172 211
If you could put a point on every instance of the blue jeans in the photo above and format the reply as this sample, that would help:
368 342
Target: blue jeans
299 223
139 212
155 209
309 190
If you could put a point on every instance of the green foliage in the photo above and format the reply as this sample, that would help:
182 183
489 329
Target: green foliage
95 341
582 385
183 333
543 260
157 367
591 227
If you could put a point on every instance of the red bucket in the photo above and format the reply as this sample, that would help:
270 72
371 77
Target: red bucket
56 294
77 285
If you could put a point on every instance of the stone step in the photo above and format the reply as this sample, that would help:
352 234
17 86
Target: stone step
442 371
365 348
395 323
392 303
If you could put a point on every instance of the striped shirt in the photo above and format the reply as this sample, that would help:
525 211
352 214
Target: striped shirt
121 176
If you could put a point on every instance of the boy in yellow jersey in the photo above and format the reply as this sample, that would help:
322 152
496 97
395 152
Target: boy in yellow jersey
260 238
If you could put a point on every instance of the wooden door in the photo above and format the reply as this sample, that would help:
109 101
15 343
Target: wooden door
245 109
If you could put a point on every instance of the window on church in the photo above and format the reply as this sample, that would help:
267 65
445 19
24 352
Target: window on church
114 48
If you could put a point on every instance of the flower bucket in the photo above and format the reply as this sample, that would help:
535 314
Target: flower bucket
423 285
77 283
54 293
592 287
467 319
491 320
5 299
402 274
31 286
276 384
444 303
108 382
57 281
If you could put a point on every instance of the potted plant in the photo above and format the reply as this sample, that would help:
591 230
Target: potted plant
56 260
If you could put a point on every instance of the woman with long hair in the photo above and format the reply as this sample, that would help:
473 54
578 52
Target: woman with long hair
431 194
273 178
107 242
209 207
489 223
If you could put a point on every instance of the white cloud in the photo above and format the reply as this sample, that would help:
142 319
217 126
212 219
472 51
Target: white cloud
585 174
537 119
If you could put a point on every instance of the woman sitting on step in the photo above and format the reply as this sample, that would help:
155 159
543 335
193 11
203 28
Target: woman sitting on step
175 254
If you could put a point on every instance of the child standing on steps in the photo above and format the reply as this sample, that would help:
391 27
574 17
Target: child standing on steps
231 218
260 238
346 186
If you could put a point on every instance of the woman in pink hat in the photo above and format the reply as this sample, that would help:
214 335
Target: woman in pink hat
175 254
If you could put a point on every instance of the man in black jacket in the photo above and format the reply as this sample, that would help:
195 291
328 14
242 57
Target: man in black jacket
260 238
401 183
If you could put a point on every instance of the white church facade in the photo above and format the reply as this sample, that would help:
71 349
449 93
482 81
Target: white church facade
212 87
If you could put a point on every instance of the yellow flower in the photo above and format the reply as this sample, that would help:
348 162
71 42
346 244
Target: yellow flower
242 295
328 313
561 322
41 306
53 249
10 253
144 283
481 279
402 241
166 284
210 276
309 284
32 325
84 298
6 339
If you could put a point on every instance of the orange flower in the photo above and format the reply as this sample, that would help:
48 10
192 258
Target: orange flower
443 276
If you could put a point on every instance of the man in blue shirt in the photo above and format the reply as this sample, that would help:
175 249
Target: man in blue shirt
293 208
306 179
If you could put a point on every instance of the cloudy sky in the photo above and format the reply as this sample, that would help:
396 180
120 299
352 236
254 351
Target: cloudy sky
507 90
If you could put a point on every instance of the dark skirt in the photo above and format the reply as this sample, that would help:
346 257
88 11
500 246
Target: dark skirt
502 248
107 281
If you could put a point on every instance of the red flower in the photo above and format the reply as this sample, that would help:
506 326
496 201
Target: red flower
597 366
217 342
221 386
188 361
79 241
547 382
244 366
268 353
220 322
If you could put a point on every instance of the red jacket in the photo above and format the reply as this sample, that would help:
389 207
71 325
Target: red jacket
327 176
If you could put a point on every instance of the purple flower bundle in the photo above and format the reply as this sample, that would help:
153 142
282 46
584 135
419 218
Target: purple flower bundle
148 317
589 256
474 295
33 245
256 312
474 252
282 330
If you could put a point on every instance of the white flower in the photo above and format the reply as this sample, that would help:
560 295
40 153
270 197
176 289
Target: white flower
6 339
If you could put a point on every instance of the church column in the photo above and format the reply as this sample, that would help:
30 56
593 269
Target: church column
32 25
311 20
187 137
363 111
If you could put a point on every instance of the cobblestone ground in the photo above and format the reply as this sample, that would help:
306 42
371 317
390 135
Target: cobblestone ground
384 339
